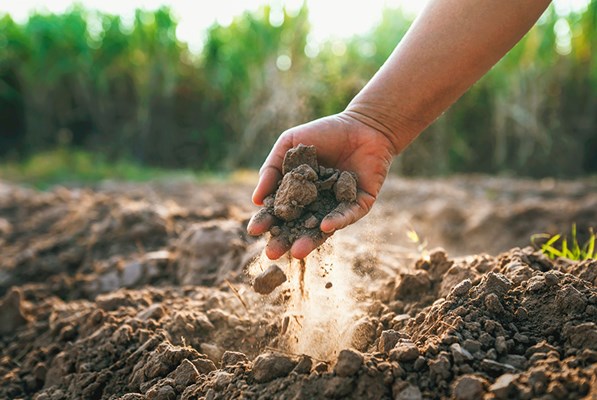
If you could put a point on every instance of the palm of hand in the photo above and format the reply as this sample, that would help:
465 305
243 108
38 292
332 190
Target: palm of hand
343 143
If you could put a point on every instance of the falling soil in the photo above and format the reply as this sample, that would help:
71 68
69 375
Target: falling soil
136 292
302 268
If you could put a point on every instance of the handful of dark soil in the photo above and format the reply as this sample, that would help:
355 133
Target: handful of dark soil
306 194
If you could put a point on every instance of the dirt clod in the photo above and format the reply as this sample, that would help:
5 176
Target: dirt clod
269 366
298 156
268 280
469 387
306 194
345 187
349 362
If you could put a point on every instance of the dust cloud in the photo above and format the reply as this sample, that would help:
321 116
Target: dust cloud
320 309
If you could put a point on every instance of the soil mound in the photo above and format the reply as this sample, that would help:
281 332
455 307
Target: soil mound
85 243
116 296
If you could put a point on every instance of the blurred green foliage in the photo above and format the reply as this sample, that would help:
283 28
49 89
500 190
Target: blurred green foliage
67 166
86 81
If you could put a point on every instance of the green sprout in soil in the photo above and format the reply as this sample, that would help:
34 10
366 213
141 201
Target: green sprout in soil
415 238
557 246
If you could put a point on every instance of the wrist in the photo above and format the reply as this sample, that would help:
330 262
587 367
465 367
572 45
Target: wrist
398 129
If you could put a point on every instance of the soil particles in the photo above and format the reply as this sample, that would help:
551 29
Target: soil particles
143 291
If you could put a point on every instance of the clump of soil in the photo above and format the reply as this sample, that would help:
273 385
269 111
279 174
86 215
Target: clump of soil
306 194
268 280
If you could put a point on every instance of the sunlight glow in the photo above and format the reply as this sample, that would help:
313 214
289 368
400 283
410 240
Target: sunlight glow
330 19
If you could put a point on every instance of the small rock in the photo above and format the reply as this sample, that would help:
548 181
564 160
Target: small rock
519 337
493 304
495 368
328 285
345 188
299 155
329 182
494 283
388 340
321 367
304 365
412 286
349 362
184 375
503 387
402 390
311 222
363 334
131 274
269 201
212 351
459 354
400 321
462 288
486 339
472 346
515 360
405 350
469 387
440 368
551 278
268 280
230 358
269 366
557 390
500 345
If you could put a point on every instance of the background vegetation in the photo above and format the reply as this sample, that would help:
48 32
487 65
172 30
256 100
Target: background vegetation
86 83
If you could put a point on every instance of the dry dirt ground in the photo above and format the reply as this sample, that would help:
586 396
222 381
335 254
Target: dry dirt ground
143 291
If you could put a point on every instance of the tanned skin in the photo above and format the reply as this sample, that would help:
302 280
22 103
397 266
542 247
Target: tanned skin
450 46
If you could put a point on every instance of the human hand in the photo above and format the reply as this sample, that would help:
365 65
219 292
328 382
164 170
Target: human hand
342 142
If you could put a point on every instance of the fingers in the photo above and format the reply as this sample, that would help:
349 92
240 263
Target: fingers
347 213
260 223
304 245
301 248
268 180
276 247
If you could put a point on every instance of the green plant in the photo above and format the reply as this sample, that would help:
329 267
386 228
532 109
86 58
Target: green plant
572 249
421 243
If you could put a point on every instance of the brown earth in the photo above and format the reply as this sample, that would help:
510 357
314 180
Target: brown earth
139 291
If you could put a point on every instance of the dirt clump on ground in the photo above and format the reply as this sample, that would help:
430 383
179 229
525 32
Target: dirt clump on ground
306 193
113 295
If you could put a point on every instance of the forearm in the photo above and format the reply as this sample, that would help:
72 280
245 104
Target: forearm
447 49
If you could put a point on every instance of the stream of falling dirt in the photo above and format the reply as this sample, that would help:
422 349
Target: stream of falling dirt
320 311
302 268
